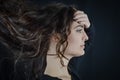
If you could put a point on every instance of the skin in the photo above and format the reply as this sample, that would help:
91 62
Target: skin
76 41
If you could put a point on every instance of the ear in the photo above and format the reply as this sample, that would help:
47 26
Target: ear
55 37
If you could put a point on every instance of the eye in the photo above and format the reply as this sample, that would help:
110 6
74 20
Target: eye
79 30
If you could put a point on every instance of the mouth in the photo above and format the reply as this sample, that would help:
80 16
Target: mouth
82 46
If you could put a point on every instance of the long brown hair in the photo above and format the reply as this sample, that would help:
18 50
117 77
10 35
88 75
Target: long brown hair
28 36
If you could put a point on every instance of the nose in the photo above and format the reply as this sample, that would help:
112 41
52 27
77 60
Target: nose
85 36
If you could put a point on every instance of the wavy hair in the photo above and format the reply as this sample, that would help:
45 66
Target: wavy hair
28 36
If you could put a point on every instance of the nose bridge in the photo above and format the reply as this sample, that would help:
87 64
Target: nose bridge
85 36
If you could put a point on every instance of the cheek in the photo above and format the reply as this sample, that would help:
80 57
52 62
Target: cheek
74 49
74 40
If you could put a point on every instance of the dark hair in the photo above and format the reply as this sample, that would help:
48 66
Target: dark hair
28 36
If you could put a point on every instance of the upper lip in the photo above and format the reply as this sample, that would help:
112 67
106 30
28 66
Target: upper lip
83 45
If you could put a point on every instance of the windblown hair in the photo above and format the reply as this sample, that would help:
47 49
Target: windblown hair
28 36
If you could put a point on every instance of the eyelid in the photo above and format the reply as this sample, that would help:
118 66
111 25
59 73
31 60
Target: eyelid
79 26
78 30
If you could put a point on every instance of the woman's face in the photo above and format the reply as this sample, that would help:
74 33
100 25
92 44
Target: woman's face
76 40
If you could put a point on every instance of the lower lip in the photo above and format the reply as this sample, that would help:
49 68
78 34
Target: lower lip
83 47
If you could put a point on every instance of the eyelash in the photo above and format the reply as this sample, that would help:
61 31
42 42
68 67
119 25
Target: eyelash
79 30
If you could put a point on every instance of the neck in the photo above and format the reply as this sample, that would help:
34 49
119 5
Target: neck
55 69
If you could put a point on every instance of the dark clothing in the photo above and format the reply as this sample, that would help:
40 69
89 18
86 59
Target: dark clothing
47 77
6 63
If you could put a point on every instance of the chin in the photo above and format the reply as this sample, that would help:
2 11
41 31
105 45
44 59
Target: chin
81 53
77 53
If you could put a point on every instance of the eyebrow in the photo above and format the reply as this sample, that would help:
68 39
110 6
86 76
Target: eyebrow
79 26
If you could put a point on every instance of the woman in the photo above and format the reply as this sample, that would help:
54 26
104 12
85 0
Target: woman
43 41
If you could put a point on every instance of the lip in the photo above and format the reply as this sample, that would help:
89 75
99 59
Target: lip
82 46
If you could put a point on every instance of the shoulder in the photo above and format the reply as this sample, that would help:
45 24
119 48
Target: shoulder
6 63
47 77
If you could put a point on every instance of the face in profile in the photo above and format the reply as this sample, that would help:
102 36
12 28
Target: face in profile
76 40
